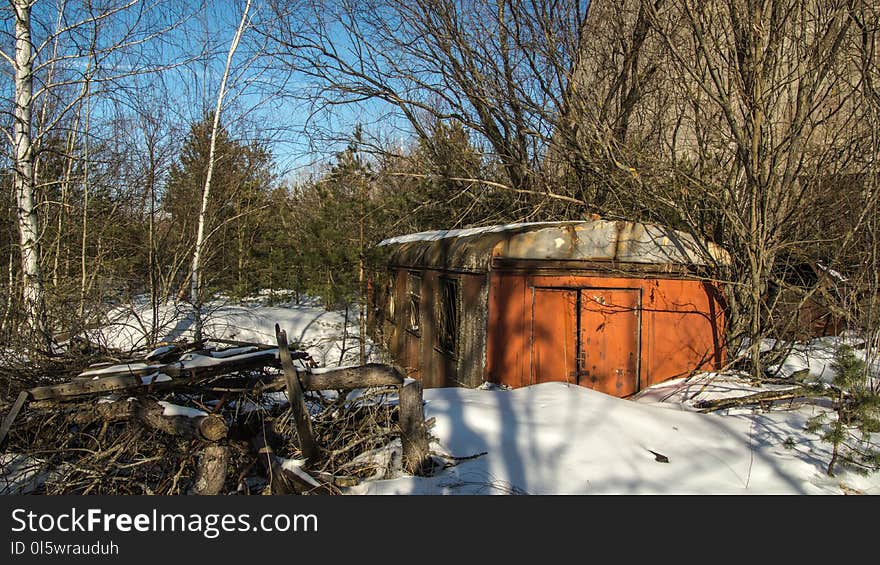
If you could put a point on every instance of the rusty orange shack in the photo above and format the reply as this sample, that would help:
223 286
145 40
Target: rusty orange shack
614 306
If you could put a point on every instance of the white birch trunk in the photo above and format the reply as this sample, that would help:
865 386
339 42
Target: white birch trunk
34 305
195 271
84 273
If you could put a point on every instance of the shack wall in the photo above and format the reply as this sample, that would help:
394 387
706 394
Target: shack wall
419 351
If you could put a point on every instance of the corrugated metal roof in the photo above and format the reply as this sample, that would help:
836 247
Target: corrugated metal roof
474 249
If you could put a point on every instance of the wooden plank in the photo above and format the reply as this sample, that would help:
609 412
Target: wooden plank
297 401
413 430
13 414
86 386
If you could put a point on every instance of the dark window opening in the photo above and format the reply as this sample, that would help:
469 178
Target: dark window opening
448 334
415 298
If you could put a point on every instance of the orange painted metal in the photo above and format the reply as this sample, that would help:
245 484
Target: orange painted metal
616 334
634 332
609 332
554 320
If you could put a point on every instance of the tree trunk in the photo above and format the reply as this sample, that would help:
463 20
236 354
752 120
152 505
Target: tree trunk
84 273
195 272
413 430
34 302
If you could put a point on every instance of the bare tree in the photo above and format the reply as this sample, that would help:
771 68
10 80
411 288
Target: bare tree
195 271
497 67
734 120
69 58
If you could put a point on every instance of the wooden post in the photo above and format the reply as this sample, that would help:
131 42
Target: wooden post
297 401
413 430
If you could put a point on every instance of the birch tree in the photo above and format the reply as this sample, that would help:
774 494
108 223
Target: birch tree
64 53
198 251
23 175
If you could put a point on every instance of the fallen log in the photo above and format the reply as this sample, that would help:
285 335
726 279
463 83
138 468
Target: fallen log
343 378
757 398
349 378
157 376
210 427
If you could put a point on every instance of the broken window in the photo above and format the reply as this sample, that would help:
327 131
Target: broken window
415 298
448 335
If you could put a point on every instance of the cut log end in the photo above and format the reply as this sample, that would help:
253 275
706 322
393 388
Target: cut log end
212 428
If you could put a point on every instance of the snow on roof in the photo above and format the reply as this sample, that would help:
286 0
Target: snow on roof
590 240
465 232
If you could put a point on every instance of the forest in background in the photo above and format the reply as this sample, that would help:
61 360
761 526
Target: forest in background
135 163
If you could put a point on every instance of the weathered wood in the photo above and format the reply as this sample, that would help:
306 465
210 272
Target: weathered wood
135 377
12 415
297 401
237 343
413 430
349 378
206 428
281 481
83 387
211 471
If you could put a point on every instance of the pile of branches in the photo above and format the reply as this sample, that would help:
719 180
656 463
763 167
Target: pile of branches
214 418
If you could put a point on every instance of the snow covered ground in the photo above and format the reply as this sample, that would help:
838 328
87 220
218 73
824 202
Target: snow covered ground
556 438
327 335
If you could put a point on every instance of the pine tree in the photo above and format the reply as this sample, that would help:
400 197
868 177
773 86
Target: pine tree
857 414
242 184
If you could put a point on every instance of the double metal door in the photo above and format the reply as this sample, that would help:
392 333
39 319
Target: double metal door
588 336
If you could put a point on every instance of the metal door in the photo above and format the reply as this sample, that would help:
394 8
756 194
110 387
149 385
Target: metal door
554 335
587 336
609 325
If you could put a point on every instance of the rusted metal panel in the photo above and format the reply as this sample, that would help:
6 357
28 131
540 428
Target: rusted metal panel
554 321
419 350
507 344
683 330
473 330
613 306
624 344
401 342
609 348
598 240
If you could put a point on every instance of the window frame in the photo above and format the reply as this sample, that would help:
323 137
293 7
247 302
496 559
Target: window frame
449 316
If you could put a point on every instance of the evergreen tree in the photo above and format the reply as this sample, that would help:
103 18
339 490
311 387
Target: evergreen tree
857 407
242 185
